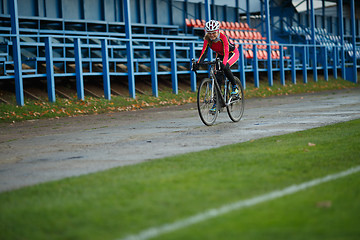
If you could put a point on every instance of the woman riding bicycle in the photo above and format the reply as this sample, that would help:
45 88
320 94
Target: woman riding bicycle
224 49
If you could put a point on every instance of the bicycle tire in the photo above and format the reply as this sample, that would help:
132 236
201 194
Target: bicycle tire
205 103
236 108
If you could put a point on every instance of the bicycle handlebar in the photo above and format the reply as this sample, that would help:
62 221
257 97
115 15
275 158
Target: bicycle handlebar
214 62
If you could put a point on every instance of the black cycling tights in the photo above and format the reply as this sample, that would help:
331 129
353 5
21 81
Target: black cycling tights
227 73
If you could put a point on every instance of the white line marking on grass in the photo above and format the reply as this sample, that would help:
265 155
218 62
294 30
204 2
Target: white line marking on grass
212 213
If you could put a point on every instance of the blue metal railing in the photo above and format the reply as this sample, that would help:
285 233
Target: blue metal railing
109 53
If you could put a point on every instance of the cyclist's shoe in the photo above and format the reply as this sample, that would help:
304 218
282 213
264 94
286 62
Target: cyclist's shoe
235 90
213 109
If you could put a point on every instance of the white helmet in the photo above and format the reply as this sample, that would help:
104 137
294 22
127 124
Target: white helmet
212 26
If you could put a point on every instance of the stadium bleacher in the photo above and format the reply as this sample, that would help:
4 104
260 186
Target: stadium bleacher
33 31
322 37
241 33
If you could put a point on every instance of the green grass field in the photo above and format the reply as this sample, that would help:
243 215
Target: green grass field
127 200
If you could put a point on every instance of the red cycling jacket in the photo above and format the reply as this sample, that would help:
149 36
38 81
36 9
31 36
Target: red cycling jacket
222 47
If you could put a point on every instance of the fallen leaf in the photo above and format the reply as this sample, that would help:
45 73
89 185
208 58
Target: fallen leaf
324 204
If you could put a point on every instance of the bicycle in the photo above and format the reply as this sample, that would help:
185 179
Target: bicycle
208 93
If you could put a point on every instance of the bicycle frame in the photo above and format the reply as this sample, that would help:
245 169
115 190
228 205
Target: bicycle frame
218 88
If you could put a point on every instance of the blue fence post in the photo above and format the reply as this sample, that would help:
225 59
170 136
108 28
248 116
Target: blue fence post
129 49
293 66
242 66
353 41
314 60
207 11
50 70
341 33
256 67
192 74
304 64
154 70
130 66
174 78
19 90
335 51
268 39
79 69
105 63
282 71
325 64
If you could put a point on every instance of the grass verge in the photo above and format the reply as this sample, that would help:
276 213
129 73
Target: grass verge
126 200
67 108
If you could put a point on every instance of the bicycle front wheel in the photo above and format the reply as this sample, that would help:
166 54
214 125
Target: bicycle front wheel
236 103
205 101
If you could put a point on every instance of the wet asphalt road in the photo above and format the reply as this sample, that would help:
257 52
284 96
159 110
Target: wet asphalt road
37 151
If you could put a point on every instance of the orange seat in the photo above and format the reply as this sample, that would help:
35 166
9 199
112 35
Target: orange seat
246 33
188 23
272 44
232 25
260 46
259 54
227 33
246 26
251 53
242 35
232 34
242 27
237 26
195 23
223 24
237 34
275 54
265 55
264 46
228 25
254 35
251 35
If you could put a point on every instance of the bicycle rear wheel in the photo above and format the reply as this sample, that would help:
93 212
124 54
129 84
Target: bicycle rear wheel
236 105
205 102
